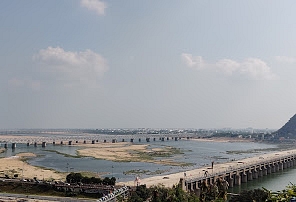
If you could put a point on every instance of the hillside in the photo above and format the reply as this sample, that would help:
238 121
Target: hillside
288 130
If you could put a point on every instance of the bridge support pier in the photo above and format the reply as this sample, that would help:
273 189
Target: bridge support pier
281 166
277 168
264 171
182 183
237 179
273 168
197 191
285 164
255 174
43 144
260 173
250 176
244 178
231 181
268 169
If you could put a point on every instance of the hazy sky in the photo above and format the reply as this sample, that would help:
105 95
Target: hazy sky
161 64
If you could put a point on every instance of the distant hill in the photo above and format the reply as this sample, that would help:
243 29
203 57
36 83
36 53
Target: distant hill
288 130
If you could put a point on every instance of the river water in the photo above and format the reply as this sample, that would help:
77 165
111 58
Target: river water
200 153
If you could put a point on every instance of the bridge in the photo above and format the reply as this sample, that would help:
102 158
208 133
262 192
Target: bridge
237 172
43 140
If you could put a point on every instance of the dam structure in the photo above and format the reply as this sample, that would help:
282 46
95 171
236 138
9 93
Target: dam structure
241 171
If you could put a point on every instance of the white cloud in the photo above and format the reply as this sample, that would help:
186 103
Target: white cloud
20 82
94 5
74 68
286 59
252 68
193 61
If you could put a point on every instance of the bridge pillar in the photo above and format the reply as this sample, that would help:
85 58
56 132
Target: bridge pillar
255 174
5 145
281 166
13 145
268 169
237 179
288 163
197 191
176 138
277 167
35 144
244 178
273 168
188 186
250 175
182 183
260 172
43 144
264 171
285 164
231 181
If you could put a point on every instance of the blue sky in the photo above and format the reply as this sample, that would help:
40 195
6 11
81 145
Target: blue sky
160 64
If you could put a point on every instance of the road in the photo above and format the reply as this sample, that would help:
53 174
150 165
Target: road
31 198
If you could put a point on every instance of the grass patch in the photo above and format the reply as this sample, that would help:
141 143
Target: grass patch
250 151
65 155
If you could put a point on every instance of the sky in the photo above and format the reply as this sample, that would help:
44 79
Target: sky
147 64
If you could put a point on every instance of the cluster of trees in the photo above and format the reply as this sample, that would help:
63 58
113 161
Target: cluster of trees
78 178
264 195
176 194
161 194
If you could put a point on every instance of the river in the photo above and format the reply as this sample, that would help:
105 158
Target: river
200 153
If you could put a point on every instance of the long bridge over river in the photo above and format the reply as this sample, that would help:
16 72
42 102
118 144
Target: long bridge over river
43 139
237 172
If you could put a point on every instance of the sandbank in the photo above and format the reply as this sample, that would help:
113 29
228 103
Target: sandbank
223 139
16 165
127 152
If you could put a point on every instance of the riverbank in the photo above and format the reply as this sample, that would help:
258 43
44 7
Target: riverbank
16 165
